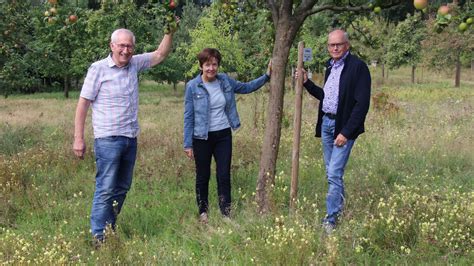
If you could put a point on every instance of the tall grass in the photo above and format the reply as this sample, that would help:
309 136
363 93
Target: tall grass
409 186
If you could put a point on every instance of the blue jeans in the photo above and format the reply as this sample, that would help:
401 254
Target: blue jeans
219 145
115 158
335 159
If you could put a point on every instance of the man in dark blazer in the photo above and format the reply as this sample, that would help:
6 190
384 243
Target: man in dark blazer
344 103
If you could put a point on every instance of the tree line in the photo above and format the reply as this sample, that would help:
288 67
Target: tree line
48 45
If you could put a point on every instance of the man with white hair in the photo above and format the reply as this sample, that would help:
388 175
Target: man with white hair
344 103
111 89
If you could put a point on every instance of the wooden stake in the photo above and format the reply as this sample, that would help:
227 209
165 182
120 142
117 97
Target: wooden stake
297 130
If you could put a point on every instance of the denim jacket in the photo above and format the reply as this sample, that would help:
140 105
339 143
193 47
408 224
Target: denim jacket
197 109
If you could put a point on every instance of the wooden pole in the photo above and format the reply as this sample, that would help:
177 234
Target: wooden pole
297 129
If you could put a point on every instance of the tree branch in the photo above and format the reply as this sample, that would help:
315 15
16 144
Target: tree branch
349 7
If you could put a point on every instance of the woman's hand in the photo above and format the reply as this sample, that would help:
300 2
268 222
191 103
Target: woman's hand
189 152
269 68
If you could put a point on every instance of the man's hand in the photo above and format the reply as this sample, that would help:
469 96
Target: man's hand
305 75
189 152
340 140
79 148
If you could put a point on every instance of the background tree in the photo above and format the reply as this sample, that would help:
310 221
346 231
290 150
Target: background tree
404 45
212 31
16 24
447 42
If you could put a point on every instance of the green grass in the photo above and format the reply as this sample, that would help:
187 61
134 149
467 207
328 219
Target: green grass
409 183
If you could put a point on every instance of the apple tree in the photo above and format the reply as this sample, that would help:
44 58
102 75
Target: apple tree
450 37
16 25
213 32
404 45
60 33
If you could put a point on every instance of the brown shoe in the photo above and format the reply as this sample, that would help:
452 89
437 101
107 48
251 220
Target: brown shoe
203 218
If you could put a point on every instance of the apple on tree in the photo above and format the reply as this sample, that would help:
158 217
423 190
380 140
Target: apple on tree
420 4
443 10
462 27
170 23
73 18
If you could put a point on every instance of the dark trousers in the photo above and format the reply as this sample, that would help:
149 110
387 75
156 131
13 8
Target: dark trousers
219 145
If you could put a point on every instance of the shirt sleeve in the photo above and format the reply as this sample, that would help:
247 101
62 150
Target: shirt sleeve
142 61
91 85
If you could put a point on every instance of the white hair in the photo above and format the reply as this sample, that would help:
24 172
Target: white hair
346 35
114 36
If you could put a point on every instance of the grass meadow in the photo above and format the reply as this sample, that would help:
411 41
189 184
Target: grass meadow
409 184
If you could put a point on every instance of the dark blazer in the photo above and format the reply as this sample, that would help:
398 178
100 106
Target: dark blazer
354 98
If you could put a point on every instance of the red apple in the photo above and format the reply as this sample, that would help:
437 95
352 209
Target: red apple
73 18
443 10
172 4
53 2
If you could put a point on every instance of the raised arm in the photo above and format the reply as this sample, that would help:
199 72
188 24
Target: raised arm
163 50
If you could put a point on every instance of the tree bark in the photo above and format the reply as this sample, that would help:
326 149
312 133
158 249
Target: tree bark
271 140
383 71
295 159
286 27
457 80
67 85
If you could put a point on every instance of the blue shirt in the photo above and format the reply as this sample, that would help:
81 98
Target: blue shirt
331 87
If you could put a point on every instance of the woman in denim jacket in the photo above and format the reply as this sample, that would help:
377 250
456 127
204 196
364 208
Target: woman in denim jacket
210 113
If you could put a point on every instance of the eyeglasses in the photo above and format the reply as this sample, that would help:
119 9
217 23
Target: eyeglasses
122 46
336 45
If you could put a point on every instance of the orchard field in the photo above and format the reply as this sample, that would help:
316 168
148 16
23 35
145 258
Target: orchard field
409 183
410 197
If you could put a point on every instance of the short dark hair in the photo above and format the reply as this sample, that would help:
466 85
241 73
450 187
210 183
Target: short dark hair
207 53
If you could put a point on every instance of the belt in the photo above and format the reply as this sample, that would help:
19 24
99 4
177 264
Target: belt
330 116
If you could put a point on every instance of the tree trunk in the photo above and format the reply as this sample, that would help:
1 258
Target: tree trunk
284 36
67 86
457 81
472 65
413 68
383 71
175 89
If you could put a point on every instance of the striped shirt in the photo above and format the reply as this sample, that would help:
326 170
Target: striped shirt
113 92
331 87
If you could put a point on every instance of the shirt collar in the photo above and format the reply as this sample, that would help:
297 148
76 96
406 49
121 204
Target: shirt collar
339 62
111 63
